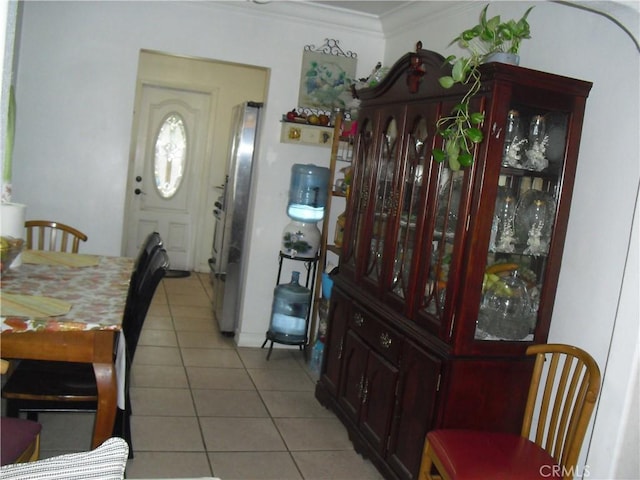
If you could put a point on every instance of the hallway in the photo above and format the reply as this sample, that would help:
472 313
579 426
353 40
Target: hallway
203 407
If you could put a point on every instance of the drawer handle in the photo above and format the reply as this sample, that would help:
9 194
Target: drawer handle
365 391
358 319
385 340
360 387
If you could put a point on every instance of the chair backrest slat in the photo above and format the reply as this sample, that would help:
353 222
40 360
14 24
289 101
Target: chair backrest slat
47 233
566 400
572 420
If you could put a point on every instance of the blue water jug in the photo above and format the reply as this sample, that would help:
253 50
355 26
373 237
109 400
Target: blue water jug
308 192
291 302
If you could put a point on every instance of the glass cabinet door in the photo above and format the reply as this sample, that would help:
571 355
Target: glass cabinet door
384 200
523 224
447 211
446 205
364 164
410 187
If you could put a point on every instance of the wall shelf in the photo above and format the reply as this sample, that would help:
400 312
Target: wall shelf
305 134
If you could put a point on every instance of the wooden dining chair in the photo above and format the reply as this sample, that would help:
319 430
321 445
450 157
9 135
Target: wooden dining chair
562 394
46 386
19 439
152 243
53 236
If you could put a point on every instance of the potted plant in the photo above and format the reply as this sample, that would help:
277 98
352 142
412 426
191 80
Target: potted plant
461 129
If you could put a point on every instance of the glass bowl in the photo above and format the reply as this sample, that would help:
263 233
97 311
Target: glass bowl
10 248
506 309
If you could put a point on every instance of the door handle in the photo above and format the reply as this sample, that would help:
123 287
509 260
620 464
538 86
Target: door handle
137 191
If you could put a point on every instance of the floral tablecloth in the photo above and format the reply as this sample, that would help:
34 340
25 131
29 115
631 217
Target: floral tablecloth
97 294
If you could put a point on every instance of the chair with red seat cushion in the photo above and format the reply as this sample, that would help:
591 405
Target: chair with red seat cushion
19 440
563 391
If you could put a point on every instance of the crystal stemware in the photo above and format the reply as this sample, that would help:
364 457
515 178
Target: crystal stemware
534 221
538 140
513 140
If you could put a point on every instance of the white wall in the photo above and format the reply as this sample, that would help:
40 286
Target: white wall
593 308
75 95
75 91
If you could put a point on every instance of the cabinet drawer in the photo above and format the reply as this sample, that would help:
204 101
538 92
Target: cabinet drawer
384 340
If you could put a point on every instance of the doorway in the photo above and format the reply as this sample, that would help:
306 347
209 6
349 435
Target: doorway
179 146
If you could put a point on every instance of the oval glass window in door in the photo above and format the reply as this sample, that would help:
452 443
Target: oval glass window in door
170 155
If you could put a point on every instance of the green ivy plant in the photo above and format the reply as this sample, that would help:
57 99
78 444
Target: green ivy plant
461 130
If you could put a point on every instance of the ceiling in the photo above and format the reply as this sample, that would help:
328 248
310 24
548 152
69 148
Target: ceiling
377 8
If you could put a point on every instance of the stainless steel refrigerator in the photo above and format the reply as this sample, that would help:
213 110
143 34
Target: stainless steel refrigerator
231 213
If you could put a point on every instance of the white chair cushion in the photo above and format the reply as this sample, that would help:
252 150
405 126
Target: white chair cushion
107 462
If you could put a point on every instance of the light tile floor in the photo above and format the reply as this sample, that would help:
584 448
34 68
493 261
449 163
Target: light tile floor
203 407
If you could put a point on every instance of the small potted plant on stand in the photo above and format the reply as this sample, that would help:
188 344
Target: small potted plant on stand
490 40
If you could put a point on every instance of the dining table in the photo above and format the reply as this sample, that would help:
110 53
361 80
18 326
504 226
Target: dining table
69 307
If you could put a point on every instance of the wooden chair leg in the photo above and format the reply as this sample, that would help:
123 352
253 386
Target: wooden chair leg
36 450
429 460
31 454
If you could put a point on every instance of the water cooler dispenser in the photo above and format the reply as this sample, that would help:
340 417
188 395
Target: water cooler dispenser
308 192
301 238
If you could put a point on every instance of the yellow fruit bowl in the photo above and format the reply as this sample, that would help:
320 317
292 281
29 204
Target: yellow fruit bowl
10 248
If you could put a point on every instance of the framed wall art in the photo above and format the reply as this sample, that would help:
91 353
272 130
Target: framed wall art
326 77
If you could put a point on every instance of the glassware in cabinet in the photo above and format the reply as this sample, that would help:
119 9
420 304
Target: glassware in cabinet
358 202
524 221
443 293
442 241
413 180
385 201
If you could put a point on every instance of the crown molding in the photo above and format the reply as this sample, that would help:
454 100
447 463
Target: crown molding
315 13
406 15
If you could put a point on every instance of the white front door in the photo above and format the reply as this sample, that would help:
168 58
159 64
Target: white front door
172 132
202 93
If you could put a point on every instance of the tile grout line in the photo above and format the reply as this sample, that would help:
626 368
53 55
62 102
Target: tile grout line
264 404
186 373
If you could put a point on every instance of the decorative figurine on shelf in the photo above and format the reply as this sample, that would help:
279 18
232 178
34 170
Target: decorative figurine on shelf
416 71
494 233
538 140
538 234
504 238
415 74
534 221
535 244
513 141
512 155
507 240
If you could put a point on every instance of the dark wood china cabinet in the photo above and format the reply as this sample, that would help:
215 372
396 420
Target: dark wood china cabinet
447 276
